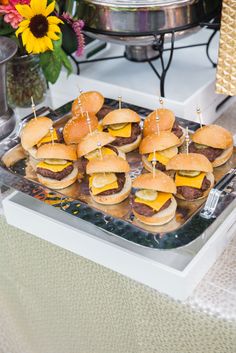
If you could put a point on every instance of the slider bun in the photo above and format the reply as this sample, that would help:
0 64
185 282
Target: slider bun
115 198
161 217
131 146
211 178
91 101
166 121
159 182
213 136
155 142
119 116
34 131
223 157
59 184
191 161
56 151
89 143
109 164
76 128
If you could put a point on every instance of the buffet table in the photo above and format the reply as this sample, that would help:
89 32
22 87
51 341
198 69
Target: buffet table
52 300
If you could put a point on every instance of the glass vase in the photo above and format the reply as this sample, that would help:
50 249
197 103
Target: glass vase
25 79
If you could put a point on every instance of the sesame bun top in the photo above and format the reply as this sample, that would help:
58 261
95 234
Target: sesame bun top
191 161
166 121
90 142
158 142
91 102
159 182
108 164
34 131
76 128
119 116
214 136
56 151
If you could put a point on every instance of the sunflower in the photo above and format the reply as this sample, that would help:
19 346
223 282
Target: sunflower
38 29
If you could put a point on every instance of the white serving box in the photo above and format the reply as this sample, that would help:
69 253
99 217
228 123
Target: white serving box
173 272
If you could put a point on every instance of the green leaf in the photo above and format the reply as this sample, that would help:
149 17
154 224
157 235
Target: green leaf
6 29
65 61
51 64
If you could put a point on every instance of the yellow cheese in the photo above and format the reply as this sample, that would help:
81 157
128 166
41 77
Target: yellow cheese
100 127
159 157
157 204
194 182
48 138
96 191
53 167
124 132
96 153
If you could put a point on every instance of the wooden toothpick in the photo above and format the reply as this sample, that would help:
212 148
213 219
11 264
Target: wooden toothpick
154 162
187 139
120 101
100 149
157 121
199 113
52 136
88 122
161 102
33 107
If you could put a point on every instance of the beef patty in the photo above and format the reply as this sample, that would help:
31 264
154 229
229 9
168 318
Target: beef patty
176 129
84 161
209 152
135 132
55 175
146 210
121 182
190 193
159 165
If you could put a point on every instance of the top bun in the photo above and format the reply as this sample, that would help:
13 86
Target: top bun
91 102
191 161
166 121
159 182
56 151
214 136
90 142
119 116
109 164
34 131
158 142
76 128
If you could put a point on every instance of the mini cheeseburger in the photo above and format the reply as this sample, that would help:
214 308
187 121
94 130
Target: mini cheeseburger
91 102
96 144
76 128
56 170
109 181
162 147
123 124
166 122
214 142
193 177
153 202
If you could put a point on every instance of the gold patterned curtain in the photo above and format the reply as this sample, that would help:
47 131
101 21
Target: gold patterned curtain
226 70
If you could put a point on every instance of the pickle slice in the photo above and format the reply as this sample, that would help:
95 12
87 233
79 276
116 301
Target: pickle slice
199 146
92 155
103 179
147 195
55 161
189 173
117 126
169 152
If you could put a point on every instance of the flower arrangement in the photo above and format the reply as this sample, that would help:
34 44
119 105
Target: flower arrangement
39 28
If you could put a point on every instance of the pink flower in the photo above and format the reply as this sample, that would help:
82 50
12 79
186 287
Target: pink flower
77 26
12 16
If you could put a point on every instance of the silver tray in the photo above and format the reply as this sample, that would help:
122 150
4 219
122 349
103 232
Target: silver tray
117 219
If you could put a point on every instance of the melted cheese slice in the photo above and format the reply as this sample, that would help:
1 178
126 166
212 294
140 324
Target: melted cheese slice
159 157
48 138
195 182
157 204
53 167
100 127
124 132
96 153
96 191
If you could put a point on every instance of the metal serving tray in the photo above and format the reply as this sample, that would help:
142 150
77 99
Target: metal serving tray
117 219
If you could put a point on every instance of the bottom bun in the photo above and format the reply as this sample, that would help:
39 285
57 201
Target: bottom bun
223 158
131 146
211 178
120 153
115 198
59 184
161 217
